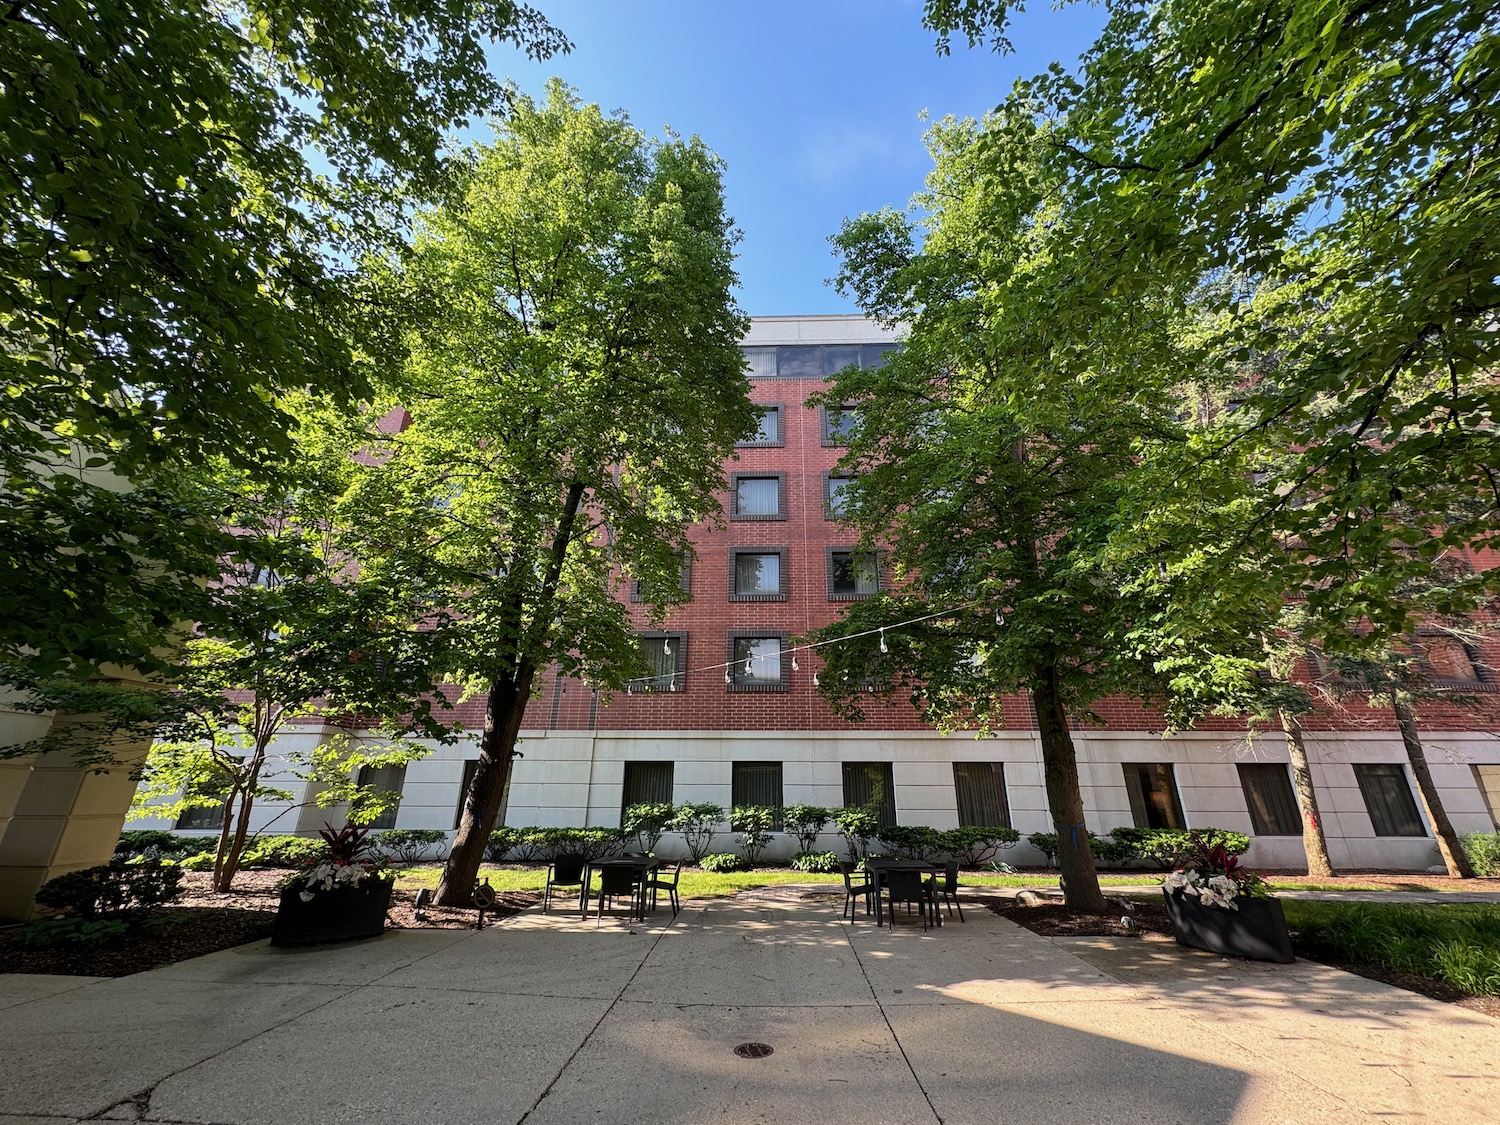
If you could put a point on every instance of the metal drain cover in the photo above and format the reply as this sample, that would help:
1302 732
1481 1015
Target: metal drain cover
753 1050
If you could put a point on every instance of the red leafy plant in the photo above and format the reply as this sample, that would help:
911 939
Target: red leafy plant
349 861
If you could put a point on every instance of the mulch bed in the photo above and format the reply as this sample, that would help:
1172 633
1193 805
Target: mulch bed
1052 919
204 921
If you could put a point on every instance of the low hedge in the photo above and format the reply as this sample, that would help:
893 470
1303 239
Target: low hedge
724 861
1483 850
1160 846
541 845
820 863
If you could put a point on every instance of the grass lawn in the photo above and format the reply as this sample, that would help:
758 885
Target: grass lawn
1457 943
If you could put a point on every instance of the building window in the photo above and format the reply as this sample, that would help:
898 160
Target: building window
757 574
761 362
756 662
666 655
1269 797
799 361
876 355
980 789
835 497
757 497
769 435
852 575
646 783
870 785
839 423
684 581
1388 800
206 816
1450 661
1488 780
757 783
382 779
471 767
1153 795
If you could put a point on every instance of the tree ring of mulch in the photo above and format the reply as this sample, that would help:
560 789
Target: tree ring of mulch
1053 919
206 921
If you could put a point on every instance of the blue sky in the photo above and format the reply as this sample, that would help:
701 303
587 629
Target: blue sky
814 106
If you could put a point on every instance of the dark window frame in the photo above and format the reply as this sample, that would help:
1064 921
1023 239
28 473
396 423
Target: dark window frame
836 596
889 815
828 478
997 770
638 764
684 581
830 440
781 578
1271 813
734 497
1141 807
732 664
780 442
736 769
471 767
677 681
1388 820
390 815
1482 680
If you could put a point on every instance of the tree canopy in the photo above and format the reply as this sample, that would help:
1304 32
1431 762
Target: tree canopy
188 185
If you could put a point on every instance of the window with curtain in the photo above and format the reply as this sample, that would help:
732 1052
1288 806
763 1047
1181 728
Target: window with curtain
383 779
852 574
757 498
755 662
665 656
768 432
980 789
1388 800
206 816
870 785
1152 787
1270 799
646 783
834 501
758 575
757 783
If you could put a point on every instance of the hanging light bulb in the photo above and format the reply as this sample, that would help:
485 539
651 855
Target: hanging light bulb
999 617
883 647
749 669
815 679
795 667
666 646
726 676
672 684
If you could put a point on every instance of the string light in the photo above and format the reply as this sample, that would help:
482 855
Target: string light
815 679
795 666
666 646
883 647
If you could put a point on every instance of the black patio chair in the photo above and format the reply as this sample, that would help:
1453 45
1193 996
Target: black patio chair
654 883
947 890
855 888
615 881
910 887
567 871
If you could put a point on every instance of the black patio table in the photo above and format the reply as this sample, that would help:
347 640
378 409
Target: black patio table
642 865
879 867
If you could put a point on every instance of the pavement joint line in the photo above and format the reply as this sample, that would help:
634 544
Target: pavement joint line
97 1115
602 1016
896 1039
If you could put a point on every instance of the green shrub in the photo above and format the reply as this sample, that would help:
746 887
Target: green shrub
648 821
112 889
1458 943
1046 843
591 843
1111 851
135 842
203 861
282 851
46 932
824 863
531 844
1164 846
806 822
978 844
754 824
723 861
697 823
501 841
1483 850
407 845
858 826
914 841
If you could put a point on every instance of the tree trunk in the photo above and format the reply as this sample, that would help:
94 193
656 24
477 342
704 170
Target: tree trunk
1314 843
1432 805
227 862
1080 882
504 707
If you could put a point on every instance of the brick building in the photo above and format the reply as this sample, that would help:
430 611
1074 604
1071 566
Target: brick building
732 714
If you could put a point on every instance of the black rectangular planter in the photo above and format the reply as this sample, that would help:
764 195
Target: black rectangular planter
1257 930
336 915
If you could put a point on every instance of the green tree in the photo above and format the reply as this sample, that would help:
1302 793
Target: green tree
186 185
574 385
1328 171
298 635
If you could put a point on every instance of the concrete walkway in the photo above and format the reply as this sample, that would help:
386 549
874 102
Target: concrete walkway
549 1020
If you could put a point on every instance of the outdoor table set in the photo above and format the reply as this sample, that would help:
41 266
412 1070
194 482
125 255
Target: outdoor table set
635 877
912 881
